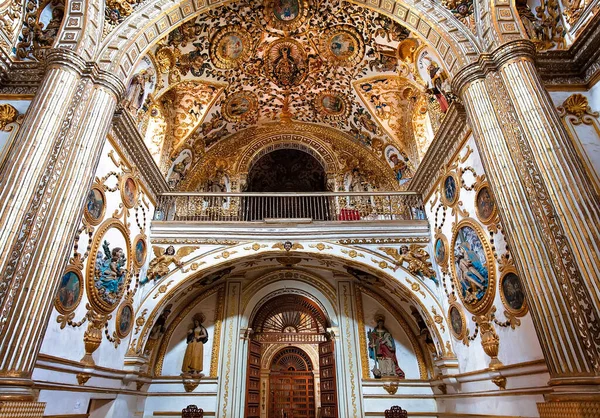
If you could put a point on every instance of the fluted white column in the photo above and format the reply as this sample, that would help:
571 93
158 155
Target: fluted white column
548 207
43 186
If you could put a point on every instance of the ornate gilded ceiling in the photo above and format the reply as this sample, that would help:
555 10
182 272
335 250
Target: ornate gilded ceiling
334 64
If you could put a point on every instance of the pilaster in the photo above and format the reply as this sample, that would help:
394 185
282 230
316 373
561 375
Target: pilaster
549 209
43 184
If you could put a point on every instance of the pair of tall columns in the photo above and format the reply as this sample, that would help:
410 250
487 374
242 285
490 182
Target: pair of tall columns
43 186
551 214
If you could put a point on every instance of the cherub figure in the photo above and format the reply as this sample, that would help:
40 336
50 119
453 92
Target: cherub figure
416 257
159 266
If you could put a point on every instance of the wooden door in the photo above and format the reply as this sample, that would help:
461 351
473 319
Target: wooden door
292 395
253 380
329 407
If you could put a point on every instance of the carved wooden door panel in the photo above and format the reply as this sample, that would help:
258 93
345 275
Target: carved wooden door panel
253 380
329 408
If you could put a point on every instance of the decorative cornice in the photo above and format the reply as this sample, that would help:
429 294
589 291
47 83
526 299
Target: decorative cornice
493 61
129 140
578 65
444 146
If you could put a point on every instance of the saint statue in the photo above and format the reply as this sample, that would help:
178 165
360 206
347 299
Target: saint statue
197 336
382 349
158 330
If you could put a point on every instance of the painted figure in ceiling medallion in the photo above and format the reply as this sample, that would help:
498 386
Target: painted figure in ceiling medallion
332 105
286 63
197 336
342 45
230 47
286 15
473 266
240 106
382 349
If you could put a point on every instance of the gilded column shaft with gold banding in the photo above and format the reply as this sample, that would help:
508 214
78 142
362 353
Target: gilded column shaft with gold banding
42 189
546 203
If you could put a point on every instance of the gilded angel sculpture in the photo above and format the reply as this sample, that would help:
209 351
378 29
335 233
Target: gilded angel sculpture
416 258
159 266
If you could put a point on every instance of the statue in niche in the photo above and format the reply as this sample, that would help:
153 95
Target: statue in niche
382 349
159 265
424 332
137 89
180 168
158 330
416 258
197 336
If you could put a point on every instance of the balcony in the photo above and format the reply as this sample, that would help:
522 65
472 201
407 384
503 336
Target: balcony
298 207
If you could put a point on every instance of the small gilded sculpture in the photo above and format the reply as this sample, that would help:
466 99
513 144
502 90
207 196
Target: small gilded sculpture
382 349
197 336
159 265
416 257
110 272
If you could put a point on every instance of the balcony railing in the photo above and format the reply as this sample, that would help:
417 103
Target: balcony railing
327 206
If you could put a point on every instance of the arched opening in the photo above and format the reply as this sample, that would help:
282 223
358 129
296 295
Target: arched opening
287 170
295 383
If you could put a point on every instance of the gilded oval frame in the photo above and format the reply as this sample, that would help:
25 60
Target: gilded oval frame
343 114
441 237
325 45
457 182
283 25
225 63
142 238
126 304
524 308
463 320
58 304
485 303
252 108
86 213
129 203
489 219
95 300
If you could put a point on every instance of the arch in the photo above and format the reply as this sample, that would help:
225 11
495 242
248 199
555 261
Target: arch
272 314
399 282
281 145
288 355
151 21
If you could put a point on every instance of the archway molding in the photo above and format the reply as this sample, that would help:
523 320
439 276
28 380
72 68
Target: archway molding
129 41
400 282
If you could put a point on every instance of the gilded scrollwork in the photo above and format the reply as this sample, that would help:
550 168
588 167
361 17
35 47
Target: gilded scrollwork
38 32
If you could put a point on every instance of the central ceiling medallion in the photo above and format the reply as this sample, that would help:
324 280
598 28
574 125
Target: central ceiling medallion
230 47
332 105
286 15
240 106
286 63
342 45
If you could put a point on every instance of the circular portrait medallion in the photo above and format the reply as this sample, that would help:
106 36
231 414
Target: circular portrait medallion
440 250
512 293
342 45
124 321
109 265
473 266
458 323
332 105
129 191
485 205
230 47
70 291
95 205
240 106
450 189
287 15
286 63
139 251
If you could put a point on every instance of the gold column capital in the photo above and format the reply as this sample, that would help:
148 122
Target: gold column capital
70 60
491 62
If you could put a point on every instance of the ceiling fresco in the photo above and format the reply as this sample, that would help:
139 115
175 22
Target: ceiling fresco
335 64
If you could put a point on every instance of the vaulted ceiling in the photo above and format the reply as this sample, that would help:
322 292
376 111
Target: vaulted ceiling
333 64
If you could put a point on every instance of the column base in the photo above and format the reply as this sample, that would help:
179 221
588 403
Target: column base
22 409
569 409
